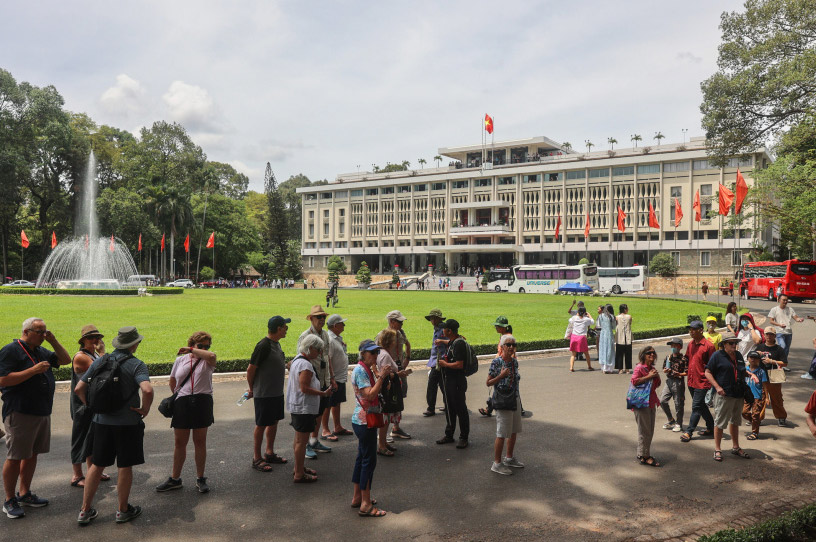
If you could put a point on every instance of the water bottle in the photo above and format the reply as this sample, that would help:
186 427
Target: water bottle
243 399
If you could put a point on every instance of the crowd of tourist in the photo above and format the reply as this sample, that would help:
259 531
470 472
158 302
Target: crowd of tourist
111 393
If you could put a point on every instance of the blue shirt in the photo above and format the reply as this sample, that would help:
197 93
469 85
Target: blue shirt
434 348
134 372
756 389
359 380
34 396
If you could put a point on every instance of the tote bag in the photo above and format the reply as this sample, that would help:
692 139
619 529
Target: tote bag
638 396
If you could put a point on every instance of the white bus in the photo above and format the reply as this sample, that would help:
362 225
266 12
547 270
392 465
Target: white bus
497 280
622 279
546 279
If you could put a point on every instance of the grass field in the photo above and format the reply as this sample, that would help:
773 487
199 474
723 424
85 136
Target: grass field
237 318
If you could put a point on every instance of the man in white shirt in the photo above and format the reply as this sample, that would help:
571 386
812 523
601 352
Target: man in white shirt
338 359
783 317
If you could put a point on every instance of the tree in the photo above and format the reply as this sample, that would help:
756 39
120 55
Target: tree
658 137
235 235
567 146
611 142
583 261
422 162
258 212
663 265
228 181
164 155
363 274
122 213
287 263
336 268
589 144
293 202
206 273
395 278
175 212
438 160
635 138
13 159
261 261
765 77
277 226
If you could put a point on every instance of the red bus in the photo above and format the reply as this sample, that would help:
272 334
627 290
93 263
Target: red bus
761 279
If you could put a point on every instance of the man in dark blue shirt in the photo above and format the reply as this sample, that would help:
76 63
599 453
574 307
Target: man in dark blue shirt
27 385
438 346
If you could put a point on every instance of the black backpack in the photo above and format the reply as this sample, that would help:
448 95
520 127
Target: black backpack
105 387
471 362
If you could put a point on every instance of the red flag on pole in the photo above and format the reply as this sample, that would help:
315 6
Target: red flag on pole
726 199
112 247
586 228
742 191
488 124
557 228
653 218
162 243
187 243
140 242
24 239
696 206
621 220
678 213
211 240
53 240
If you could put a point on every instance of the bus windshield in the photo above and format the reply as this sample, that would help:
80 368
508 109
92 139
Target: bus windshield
803 269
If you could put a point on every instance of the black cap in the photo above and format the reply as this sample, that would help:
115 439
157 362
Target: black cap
696 324
451 324
277 321
676 340
754 354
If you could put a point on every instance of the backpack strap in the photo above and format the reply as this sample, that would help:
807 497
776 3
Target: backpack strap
120 362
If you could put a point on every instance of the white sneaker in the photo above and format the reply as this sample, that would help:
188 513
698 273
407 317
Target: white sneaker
668 425
513 462
500 468
806 376
389 439
677 428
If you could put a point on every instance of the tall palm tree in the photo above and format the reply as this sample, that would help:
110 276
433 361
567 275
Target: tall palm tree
176 212
658 136
406 164
566 145
438 160
635 138
422 162
612 142
589 144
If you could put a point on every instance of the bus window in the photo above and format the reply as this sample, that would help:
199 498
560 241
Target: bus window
572 274
803 269
590 271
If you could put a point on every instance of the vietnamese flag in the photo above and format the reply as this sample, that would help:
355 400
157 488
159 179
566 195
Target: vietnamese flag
187 243
621 220
557 228
140 242
678 212
742 191
162 243
653 218
726 199
488 122
53 240
112 245
586 228
24 239
211 241
696 206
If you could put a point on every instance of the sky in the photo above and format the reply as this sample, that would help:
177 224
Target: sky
323 88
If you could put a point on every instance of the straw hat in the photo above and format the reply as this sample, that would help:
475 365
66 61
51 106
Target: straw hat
89 331
317 310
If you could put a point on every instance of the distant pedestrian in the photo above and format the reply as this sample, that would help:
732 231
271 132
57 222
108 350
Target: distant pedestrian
572 311
711 331
623 340
704 290
731 287
783 316
731 318
607 325
646 373
438 346
118 435
504 376
577 329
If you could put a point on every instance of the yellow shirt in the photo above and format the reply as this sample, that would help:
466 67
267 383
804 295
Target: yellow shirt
714 338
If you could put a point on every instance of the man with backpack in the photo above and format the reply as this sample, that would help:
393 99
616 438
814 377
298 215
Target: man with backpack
27 384
110 388
455 365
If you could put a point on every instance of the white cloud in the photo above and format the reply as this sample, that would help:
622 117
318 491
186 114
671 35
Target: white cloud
689 57
193 107
254 174
127 97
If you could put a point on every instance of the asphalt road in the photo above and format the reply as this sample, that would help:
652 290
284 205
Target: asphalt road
581 480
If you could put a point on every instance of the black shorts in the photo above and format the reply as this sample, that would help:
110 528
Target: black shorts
193 411
304 423
339 395
268 410
124 443
324 404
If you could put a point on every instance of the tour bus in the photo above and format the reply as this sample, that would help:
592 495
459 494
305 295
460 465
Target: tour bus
762 279
497 279
546 279
621 279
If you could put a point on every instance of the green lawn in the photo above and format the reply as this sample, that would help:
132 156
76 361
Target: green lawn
237 318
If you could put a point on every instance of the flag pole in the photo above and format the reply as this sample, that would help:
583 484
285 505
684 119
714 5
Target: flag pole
719 264
675 250
22 262
697 289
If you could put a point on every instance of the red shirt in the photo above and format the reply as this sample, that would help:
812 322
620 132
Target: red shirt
811 406
642 370
698 355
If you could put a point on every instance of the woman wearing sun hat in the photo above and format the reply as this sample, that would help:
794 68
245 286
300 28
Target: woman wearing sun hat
91 346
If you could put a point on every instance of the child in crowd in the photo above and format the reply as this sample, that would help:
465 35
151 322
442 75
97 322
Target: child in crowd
676 368
754 410
711 332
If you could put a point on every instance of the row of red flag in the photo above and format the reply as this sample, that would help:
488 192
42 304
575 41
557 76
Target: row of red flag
25 243
726 198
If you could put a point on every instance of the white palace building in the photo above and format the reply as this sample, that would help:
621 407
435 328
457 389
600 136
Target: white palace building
500 205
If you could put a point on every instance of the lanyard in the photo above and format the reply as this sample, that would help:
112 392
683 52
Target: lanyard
26 352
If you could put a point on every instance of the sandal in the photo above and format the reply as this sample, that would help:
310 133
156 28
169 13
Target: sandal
342 432
330 437
752 436
371 513
484 412
305 479
261 466
307 470
389 447
740 452
649 461
78 481
373 501
385 452
718 455
705 433
685 437
105 477
274 458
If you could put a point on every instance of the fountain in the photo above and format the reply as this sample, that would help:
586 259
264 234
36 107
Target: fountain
88 260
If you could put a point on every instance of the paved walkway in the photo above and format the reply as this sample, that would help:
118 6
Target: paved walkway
581 481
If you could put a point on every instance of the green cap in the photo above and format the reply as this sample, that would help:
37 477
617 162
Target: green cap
501 321
435 313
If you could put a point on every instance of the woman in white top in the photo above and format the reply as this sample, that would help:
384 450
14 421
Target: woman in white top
191 379
623 338
731 318
748 334
577 334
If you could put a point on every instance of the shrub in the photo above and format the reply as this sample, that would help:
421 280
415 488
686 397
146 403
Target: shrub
795 525
663 265
80 291
206 273
363 274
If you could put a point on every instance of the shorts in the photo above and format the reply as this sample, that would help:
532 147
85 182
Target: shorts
304 423
324 404
193 411
339 396
578 343
727 410
27 435
124 443
268 410
508 421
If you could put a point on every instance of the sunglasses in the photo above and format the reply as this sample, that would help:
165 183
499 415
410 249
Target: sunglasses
510 344
203 346
650 353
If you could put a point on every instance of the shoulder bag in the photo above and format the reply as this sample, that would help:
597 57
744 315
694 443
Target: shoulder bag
374 417
638 396
168 404
777 375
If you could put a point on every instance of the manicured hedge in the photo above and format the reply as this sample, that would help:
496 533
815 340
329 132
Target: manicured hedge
80 291
794 526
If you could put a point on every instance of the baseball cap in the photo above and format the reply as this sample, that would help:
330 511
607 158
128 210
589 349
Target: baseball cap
754 354
277 321
696 324
676 340
368 346
395 315
772 330
451 324
335 319
711 319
